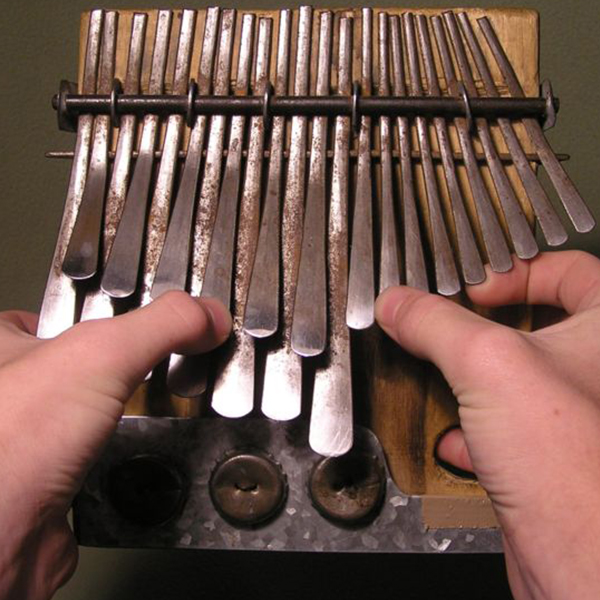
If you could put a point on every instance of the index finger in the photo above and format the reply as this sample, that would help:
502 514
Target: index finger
24 321
568 279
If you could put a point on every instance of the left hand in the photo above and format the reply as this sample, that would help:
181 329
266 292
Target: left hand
60 402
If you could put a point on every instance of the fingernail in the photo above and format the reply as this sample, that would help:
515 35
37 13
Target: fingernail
387 306
219 316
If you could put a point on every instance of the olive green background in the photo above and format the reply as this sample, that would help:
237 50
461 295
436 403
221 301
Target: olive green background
38 47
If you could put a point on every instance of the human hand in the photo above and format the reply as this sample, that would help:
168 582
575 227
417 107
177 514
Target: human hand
529 407
60 401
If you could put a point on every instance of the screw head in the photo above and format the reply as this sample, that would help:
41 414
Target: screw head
146 490
248 489
348 489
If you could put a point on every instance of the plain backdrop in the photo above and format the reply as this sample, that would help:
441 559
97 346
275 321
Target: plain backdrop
38 48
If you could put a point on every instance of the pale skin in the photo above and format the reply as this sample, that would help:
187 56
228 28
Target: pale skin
529 406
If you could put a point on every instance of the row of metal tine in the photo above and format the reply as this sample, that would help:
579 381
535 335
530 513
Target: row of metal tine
275 248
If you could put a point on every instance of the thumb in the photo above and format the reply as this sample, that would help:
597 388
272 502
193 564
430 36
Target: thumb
125 348
431 327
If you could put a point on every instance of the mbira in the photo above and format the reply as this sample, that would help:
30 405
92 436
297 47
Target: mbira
294 164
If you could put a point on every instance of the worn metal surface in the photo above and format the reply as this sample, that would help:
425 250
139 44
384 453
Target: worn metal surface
97 304
471 263
186 376
195 446
309 322
578 212
446 275
235 370
361 278
120 276
331 419
520 232
282 388
261 317
414 260
59 303
82 255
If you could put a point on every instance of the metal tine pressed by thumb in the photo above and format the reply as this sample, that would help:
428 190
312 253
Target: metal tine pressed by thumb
235 365
261 317
414 259
282 386
446 275
82 255
493 236
361 281
97 304
58 306
309 324
521 234
578 212
389 269
331 427
471 263
120 276
187 375
550 224
219 268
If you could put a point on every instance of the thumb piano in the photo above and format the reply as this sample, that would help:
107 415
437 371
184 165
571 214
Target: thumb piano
294 164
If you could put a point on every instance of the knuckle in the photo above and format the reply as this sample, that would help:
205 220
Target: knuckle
498 345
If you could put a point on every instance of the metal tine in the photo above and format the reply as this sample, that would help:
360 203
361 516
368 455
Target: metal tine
309 325
282 388
173 265
120 275
361 280
520 232
414 260
236 365
389 270
578 212
445 270
158 219
550 224
493 236
97 304
81 257
186 375
58 306
331 426
261 317
471 264
219 268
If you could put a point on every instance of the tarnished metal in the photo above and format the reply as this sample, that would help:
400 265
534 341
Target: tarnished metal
518 227
186 376
550 224
81 257
120 275
471 263
282 387
97 304
58 306
414 260
389 263
331 425
361 279
309 326
174 261
492 234
578 212
235 367
447 281
248 489
261 316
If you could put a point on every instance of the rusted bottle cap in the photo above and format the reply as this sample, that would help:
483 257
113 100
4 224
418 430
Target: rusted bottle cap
348 489
248 489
